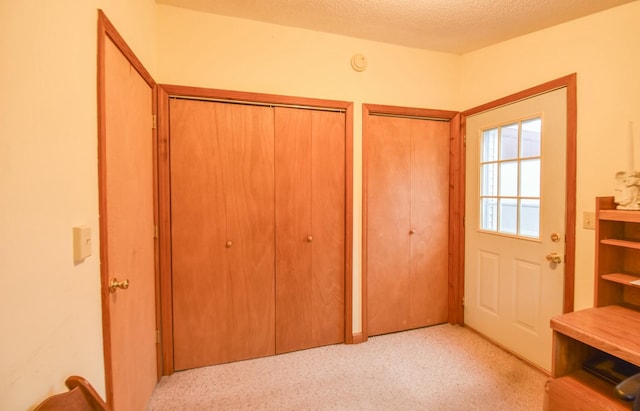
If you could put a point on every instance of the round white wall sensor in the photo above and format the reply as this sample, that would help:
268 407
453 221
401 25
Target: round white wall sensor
359 62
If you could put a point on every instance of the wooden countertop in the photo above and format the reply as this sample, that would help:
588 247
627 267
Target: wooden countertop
613 329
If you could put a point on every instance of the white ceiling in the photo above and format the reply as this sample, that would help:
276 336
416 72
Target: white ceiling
454 26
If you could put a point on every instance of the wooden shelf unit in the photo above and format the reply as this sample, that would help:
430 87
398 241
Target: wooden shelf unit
611 327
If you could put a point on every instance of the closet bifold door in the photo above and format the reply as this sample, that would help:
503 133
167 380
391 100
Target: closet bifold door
310 227
407 223
389 218
222 216
429 229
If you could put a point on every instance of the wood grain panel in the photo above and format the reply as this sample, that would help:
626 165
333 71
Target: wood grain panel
388 224
430 220
198 235
310 234
249 192
222 232
293 227
407 223
328 226
612 329
457 163
127 223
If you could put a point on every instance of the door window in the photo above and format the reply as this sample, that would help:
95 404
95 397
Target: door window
510 178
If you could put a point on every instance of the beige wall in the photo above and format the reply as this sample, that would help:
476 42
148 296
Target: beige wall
604 51
50 308
236 54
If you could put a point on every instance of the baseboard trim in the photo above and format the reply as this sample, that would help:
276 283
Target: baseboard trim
357 338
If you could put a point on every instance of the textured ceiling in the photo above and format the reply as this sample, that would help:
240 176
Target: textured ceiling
454 26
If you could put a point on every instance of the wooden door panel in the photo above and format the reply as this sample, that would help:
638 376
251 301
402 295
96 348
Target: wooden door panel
198 236
222 232
249 190
310 224
293 227
388 214
430 220
127 221
328 226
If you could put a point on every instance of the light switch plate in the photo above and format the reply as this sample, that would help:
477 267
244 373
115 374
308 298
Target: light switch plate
589 220
81 242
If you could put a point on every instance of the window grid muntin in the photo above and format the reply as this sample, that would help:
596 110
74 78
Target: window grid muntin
491 159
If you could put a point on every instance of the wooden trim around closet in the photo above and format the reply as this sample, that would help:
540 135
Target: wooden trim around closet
570 83
456 222
455 252
164 227
164 93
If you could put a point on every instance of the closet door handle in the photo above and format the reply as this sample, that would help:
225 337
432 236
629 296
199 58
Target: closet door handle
309 239
412 231
229 244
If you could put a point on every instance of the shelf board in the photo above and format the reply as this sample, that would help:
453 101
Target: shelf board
592 391
612 329
621 243
621 278
628 216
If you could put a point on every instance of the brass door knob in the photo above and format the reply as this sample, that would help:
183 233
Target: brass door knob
310 238
229 244
412 231
554 258
114 284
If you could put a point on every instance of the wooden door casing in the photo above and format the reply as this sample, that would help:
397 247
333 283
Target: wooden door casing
222 232
310 236
407 223
127 200
166 94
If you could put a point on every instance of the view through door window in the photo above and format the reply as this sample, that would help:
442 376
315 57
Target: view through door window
510 178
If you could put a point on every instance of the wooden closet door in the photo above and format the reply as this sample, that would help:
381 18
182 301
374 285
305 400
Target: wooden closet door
310 236
429 222
222 232
388 224
328 206
407 225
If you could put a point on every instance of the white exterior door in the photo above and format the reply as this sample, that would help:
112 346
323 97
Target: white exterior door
515 222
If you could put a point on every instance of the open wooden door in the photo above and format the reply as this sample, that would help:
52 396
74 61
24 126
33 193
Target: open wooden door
126 190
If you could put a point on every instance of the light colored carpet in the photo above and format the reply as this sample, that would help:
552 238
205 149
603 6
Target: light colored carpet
443 367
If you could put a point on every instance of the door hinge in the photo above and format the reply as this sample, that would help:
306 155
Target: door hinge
155 231
157 336
154 121
464 140
463 300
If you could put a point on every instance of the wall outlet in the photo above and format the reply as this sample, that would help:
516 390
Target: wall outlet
589 220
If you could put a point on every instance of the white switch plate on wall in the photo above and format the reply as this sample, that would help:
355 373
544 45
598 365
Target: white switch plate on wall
589 220
81 242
